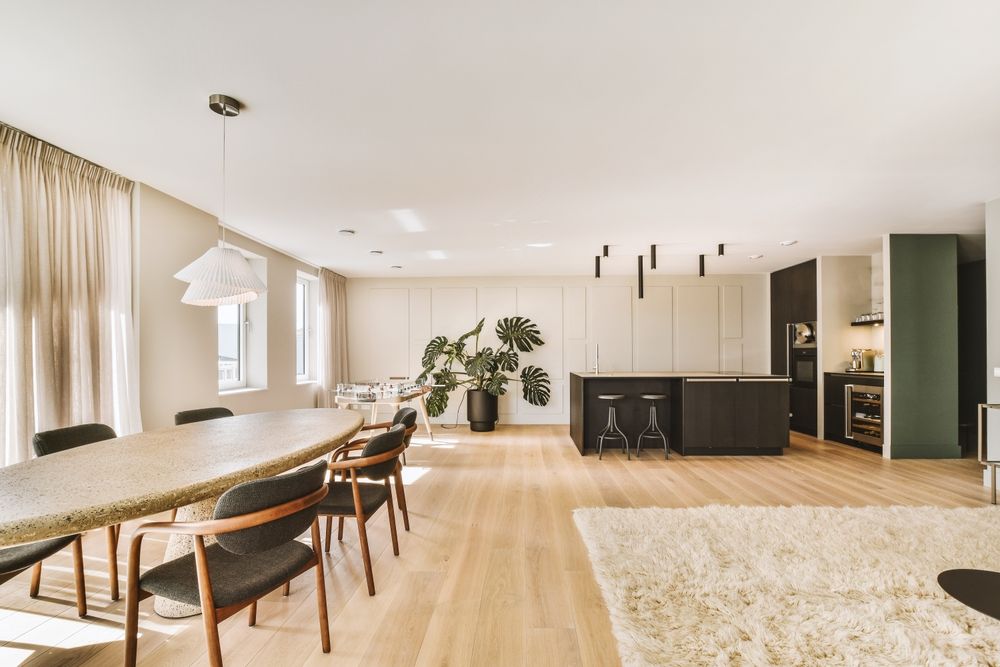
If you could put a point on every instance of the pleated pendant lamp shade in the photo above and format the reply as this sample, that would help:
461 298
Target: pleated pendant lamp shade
219 277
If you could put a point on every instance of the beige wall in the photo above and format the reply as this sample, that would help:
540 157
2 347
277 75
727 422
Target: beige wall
683 323
178 345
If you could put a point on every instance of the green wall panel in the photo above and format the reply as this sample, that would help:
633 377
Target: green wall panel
923 302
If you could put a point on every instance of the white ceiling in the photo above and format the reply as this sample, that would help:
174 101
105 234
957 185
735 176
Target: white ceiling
504 123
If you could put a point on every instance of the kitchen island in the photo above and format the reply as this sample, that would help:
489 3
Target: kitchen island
703 413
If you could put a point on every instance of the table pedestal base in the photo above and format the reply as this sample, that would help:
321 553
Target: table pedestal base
181 545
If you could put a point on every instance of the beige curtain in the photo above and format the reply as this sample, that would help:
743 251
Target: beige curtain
67 351
332 334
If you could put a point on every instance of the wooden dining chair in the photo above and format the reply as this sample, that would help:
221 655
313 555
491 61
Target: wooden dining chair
379 457
201 415
15 560
71 437
408 418
255 524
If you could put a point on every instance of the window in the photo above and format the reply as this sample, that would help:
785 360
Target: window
232 347
302 329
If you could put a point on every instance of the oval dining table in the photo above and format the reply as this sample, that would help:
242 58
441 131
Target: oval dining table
185 467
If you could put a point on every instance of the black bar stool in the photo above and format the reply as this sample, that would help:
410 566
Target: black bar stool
611 431
653 429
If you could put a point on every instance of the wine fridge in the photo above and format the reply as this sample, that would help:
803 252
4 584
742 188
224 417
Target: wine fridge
863 413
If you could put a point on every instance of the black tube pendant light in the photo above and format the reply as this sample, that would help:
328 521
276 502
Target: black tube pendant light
701 266
652 256
640 277
722 249
597 266
605 251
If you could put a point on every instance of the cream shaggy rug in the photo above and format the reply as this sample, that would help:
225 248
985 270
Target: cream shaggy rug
792 585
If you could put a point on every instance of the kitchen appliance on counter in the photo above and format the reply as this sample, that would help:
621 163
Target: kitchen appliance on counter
862 360
863 413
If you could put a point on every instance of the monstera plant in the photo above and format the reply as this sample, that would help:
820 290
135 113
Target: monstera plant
484 371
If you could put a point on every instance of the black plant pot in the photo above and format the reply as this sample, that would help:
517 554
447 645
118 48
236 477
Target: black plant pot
481 409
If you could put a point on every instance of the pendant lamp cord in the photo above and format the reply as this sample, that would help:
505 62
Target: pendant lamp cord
223 221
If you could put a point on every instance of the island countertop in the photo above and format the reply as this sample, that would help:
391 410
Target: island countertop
675 375
701 412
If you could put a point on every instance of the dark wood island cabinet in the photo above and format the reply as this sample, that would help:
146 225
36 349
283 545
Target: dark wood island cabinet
704 413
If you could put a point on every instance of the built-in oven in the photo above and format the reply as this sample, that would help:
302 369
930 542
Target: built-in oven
802 366
863 413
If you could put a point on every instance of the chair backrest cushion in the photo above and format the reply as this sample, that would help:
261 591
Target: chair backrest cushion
261 494
405 416
379 444
201 415
408 418
61 439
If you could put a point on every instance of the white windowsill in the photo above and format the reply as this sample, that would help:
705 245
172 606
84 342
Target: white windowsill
301 382
241 390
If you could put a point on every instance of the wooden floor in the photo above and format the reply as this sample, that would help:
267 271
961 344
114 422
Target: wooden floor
493 572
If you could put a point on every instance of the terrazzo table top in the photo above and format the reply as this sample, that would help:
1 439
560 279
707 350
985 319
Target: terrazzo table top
142 474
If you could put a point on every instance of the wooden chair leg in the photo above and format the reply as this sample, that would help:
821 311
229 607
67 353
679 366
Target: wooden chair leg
173 514
112 561
252 620
36 579
401 498
324 618
286 589
340 529
329 532
365 555
208 614
392 518
81 589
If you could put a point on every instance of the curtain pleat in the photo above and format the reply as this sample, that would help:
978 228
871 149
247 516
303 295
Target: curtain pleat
332 334
67 352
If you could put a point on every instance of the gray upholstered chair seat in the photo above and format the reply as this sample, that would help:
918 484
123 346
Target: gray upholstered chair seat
15 559
235 578
340 500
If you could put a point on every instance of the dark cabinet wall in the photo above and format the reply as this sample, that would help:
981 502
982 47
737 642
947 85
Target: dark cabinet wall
971 349
793 299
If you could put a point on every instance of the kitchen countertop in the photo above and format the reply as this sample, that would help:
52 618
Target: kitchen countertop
611 375
873 374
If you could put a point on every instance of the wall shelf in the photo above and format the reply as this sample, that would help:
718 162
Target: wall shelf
869 323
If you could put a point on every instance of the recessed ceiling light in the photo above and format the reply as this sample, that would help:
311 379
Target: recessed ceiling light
539 245
787 243
437 254
374 252
346 232
755 256
395 266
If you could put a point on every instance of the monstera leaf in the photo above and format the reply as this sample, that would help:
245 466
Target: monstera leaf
445 381
535 385
434 349
471 334
507 360
519 332
496 384
482 363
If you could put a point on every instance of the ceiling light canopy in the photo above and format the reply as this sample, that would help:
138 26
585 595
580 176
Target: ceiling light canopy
222 275
787 243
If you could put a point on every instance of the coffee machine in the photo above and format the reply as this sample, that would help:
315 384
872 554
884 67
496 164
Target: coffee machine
862 360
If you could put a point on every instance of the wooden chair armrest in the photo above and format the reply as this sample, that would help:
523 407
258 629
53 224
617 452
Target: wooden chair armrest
371 427
344 450
232 524
365 461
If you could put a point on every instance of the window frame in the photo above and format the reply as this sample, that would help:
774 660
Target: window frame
241 327
303 303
